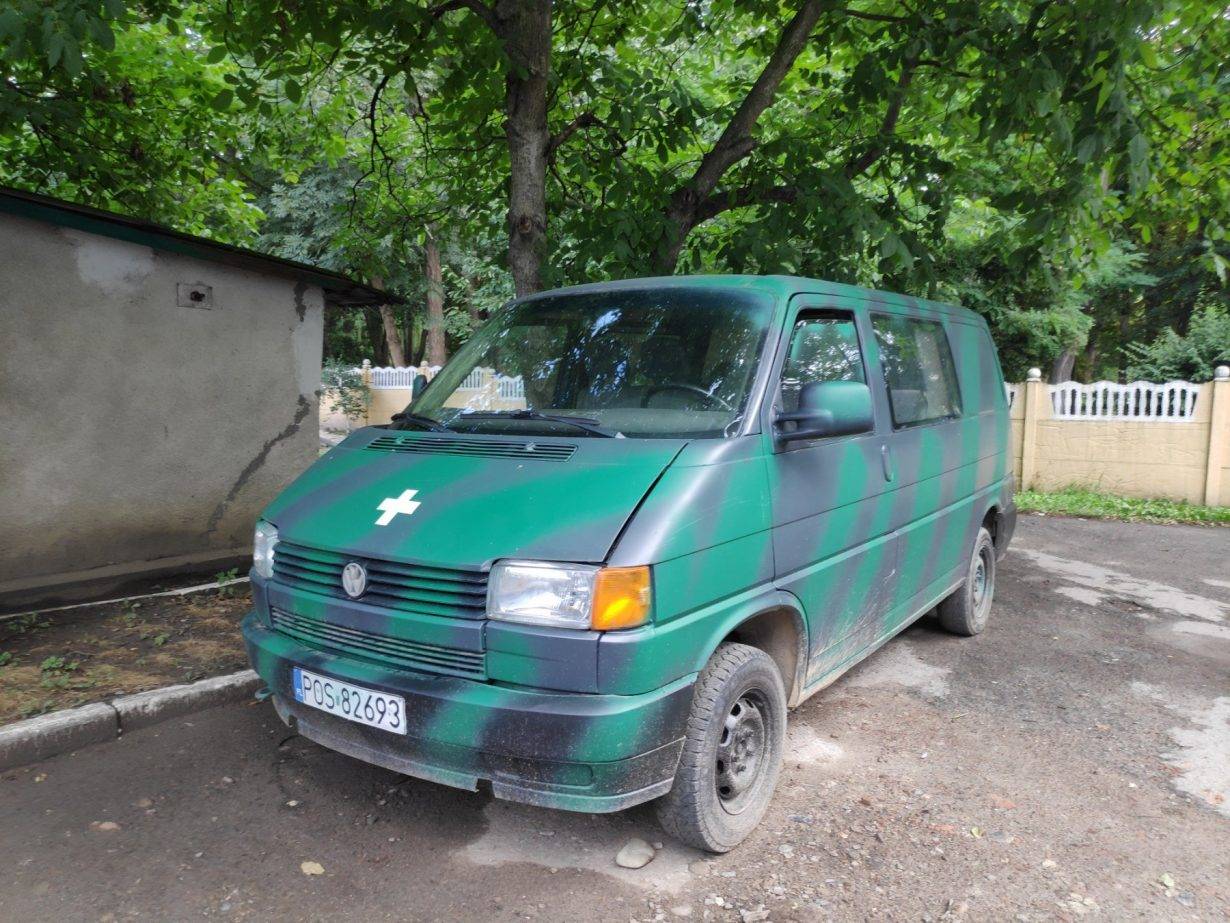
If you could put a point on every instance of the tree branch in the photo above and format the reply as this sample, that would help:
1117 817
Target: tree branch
861 163
873 17
743 197
584 120
736 141
477 7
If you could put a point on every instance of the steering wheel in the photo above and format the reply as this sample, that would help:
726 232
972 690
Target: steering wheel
689 389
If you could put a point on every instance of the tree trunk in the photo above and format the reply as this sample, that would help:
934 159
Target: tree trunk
524 26
688 203
372 325
437 345
1061 370
392 336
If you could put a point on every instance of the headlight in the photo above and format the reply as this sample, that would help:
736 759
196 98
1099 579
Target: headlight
263 542
569 595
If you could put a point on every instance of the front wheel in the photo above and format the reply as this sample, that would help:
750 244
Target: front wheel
966 611
732 752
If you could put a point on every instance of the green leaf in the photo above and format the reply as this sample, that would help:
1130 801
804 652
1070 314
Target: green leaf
216 54
294 92
55 49
222 100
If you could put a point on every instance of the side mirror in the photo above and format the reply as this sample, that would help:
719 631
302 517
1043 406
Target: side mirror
828 408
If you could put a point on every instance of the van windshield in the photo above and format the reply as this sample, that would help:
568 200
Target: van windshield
667 363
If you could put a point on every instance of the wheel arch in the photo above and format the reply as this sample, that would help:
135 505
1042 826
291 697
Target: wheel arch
775 624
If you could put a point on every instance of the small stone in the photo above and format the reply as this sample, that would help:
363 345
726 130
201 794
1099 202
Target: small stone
311 868
1049 864
682 910
754 916
293 803
105 826
1186 898
143 803
636 854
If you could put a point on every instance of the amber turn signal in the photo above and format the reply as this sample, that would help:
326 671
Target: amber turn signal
622 598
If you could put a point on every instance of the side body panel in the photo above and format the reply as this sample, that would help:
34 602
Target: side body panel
948 473
832 541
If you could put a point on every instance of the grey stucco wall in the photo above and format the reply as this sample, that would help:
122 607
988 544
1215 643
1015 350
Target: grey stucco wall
132 430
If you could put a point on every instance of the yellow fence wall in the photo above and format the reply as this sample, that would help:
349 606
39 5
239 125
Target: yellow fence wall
1180 460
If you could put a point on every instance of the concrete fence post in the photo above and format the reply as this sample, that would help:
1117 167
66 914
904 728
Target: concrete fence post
1032 393
1219 435
366 374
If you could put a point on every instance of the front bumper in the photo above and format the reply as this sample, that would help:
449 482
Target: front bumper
578 752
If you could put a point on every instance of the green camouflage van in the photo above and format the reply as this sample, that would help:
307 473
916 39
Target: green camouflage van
625 529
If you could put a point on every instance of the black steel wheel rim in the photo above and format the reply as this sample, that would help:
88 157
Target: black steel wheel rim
743 751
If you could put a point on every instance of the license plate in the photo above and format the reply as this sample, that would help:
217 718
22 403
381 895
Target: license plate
366 706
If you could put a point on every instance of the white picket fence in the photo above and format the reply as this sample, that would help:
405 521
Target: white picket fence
384 378
1145 401
390 378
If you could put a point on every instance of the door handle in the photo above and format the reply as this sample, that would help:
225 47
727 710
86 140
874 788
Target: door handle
886 458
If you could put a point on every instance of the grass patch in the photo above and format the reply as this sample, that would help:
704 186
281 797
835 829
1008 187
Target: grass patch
1093 505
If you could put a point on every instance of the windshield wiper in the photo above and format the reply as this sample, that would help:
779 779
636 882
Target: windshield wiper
426 422
588 424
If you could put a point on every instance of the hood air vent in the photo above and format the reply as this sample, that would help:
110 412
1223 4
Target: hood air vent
543 451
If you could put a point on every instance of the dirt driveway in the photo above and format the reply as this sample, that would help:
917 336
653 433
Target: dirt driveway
1073 761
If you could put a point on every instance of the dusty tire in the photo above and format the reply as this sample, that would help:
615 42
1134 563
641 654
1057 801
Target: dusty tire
732 751
966 611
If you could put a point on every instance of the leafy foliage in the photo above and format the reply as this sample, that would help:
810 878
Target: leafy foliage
343 385
1063 168
1191 356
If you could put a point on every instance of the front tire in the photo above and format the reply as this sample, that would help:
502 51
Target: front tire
966 611
732 751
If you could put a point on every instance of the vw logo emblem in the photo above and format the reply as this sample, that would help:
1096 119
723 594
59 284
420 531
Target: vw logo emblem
354 579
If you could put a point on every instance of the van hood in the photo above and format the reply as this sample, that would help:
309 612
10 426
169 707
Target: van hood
464 501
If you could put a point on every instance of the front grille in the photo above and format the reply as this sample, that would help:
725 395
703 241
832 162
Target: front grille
487 448
406 587
381 648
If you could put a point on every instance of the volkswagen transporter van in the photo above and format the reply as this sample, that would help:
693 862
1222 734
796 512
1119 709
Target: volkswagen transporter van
625 529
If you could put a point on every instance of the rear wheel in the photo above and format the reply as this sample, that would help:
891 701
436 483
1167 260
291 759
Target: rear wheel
732 753
966 611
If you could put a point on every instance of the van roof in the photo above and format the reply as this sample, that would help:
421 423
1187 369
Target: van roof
778 285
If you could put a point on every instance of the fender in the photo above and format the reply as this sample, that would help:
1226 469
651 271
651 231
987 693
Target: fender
631 662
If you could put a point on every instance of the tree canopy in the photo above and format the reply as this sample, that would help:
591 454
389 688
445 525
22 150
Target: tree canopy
1062 168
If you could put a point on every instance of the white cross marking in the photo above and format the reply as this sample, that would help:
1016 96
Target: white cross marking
391 506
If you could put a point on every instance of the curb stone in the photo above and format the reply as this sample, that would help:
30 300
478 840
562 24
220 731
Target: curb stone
47 735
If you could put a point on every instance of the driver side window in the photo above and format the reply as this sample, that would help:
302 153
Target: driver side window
823 347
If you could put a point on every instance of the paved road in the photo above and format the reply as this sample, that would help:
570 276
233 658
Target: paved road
1073 761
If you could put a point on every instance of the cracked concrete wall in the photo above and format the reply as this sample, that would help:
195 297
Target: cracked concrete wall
135 433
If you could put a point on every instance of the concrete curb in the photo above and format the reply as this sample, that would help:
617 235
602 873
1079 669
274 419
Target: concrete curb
38 738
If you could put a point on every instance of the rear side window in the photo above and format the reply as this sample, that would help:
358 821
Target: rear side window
918 369
823 347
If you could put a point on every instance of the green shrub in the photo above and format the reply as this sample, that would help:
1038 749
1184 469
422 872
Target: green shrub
343 385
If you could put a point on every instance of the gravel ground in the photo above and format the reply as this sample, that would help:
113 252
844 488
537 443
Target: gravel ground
1073 761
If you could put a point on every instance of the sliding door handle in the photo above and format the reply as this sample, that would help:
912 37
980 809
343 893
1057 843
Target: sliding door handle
886 458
